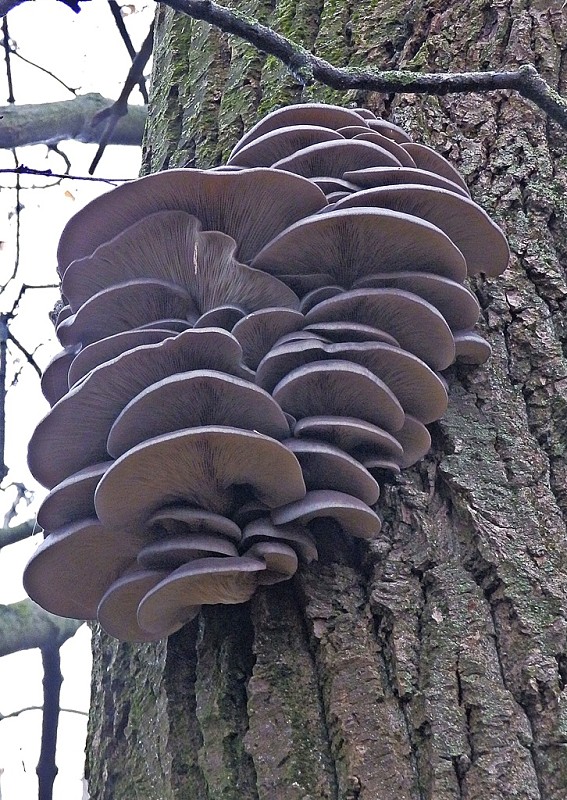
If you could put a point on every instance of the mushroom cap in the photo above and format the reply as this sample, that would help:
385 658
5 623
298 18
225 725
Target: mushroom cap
182 520
320 114
72 499
171 246
478 238
386 128
350 332
123 307
353 243
454 301
415 439
295 536
264 150
252 206
280 559
339 388
316 296
419 390
171 603
415 324
119 605
62 443
224 317
259 331
365 113
387 176
471 348
428 159
72 568
353 516
330 184
196 398
205 466
351 435
172 552
55 379
336 158
393 147
325 466
249 511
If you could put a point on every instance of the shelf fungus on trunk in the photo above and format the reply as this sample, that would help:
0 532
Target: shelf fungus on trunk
248 352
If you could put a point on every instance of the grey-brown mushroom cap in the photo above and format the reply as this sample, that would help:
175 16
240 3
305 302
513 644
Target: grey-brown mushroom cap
258 332
350 435
171 246
471 348
181 520
353 516
295 536
386 128
280 559
388 176
453 300
252 206
62 443
207 581
224 317
55 378
336 158
339 388
264 150
119 605
415 439
123 307
320 114
111 347
388 144
206 466
415 324
72 499
353 243
478 238
193 399
350 332
316 296
174 551
72 568
419 390
326 466
428 159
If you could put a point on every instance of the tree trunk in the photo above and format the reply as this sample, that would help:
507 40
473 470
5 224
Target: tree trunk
431 662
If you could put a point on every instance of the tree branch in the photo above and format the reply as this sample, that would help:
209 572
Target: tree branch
26 625
307 68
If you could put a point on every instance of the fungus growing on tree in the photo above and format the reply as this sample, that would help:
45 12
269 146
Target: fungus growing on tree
248 353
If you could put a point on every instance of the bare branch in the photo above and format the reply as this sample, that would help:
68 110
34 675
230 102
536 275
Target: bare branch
8 5
16 534
27 355
52 679
7 54
307 68
116 12
48 173
26 625
40 708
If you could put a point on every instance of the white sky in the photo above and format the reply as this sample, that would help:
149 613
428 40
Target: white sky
85 51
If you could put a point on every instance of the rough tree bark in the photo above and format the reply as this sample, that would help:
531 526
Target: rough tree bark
431 663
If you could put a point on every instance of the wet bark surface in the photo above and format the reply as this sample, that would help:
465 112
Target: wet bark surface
430 663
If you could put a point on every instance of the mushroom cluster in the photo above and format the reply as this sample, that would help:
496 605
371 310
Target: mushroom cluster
247 352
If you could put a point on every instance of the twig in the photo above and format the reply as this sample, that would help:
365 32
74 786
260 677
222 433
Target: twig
6 43
48 173
120 107
4 333
307 68
40 708
52 679
123 31
28 356
43 69
17 533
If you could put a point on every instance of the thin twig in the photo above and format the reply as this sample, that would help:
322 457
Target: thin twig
17 171
52 679
48 173
42 69
307 68
125 36
27 355
7 53
40 708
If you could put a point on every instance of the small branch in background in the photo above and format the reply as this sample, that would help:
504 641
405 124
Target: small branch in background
52 679
7 52
123 31
120 107
4 333
28 356
40 708
21 494
41 69
17 533
307 68
48 173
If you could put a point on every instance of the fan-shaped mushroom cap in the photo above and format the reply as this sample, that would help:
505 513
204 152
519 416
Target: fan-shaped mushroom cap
249 511
63 314
419 390
252 206
453 300
191 399
119 605
123 307
388 144
181 520
415 439
111 347
327 467
72 568
316 296
350 332
301 336
72 499
274 145
170 604
55 379
336 158
339 388
172 325
205 466
353 516
471 348
259 331
295 536
171 246
318 114
387 176
377 466
224 317
280 559
478 238
353 436
353 243
365 113
173 552
63 443
334 197
428 159
329 184
389 129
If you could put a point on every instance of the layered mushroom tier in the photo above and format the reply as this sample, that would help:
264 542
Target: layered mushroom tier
248 352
